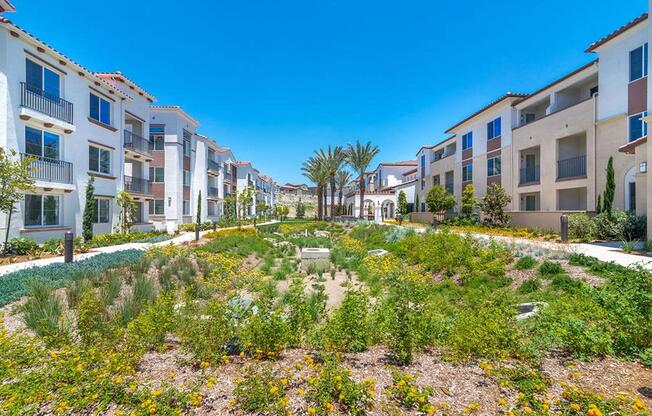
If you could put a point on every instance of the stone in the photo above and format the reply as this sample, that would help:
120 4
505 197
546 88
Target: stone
529 309
321 233
321 257
377 252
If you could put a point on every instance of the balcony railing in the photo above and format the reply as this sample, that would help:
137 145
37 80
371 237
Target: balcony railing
250 183
227 175
137 143
138 185
213 165
46 103
572 167
213 192
530 174
449 188
49 170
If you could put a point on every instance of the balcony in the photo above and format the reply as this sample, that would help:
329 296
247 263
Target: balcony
138 185
213 192
49 170
36 99
227 175
213 167
530 175
250 184
137 144
574 167
449 188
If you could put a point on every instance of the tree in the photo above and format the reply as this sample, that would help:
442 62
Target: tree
282 211
15 180
493 206
301 209
401 210
245 199
610 189
598 206
230 208
198 220
468 204
127 207
89 210
333 159
417 208
439 200
342 179
359 157
261 208
315 170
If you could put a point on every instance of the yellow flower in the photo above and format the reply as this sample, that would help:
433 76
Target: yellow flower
203 364
594 411
328 407
312 411
576 407
157 392
273 390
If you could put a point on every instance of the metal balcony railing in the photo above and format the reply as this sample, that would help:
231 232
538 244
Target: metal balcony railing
530 174
49 170
137 143
213 192
571 167
227 175
46 103
138 185
213 165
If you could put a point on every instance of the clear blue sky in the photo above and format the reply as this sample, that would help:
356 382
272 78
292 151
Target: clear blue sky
276 79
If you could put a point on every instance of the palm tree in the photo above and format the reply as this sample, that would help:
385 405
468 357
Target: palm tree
359 157
342 179
315 170
333 159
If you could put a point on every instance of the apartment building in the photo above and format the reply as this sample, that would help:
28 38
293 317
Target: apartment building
70 121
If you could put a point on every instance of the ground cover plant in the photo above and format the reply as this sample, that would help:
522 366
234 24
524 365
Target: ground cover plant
212 329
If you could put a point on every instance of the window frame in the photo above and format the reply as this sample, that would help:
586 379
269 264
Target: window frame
152 207
644 130
467 141
494 129
152 174
100 109
100 151
467 173
644 62
97 211
42 134
186 204
491 171
186 173
42 216
43 78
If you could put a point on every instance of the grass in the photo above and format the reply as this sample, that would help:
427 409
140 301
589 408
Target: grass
525 263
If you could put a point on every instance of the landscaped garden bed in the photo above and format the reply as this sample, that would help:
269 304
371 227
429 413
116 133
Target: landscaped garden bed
239 326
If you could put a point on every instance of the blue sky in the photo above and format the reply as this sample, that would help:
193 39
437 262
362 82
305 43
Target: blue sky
276 79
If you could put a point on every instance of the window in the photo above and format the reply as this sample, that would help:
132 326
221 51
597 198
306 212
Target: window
42 80
100 109
493 166
467 141
186 207
99 160
467 173
101 212
156 207
186 178
41 210
642 167
157 175
187 137
638 63
493 129
637 127
157 136
41 143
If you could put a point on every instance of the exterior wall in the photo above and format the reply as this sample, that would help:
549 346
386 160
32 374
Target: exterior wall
74 138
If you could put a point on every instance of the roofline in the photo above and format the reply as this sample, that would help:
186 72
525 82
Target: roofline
42 47
492 104
132 85
437 144
564 78
412 163
176 109
624 28
6 6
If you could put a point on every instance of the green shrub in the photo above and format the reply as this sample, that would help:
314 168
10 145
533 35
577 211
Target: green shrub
53 246
629 246
581 227
566 283
549 268
261 392
529 286
335 385
408 394
525 263
646 357
349 329
21 246
15 285
43 313
265 334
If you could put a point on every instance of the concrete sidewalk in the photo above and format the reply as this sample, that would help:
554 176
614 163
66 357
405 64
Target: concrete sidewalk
182 238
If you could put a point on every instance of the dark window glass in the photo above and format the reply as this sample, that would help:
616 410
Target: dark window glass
159 143
637 127
50 145
638 65
33 142
101 211
467 141
32 210
105 161
105 112
51 210
93 158
34 75
51 83
94 111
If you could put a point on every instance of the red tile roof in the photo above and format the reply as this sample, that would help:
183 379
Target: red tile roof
401 163
117 75
624 28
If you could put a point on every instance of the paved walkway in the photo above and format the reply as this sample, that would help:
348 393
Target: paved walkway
182 238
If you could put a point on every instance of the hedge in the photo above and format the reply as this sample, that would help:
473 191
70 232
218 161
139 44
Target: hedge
15 285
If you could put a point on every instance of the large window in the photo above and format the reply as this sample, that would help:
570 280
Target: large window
186 178
41 143
157 136
156 207
99 160
187 141
157 175
42 80
100 109
467 173
186 207
493 129
637 127
41 210
467 141
638 63
493 166
102 211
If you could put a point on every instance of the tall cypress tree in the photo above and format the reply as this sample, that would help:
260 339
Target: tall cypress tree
199 208
89 210
610 189
598 206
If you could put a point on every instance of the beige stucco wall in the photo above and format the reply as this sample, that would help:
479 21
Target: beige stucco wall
545 133
549 220
612 134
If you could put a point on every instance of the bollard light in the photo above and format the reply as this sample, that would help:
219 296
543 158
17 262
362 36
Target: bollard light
68 245
564 228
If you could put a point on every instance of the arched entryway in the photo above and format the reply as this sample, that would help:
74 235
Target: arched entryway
630 190
388 209
370 210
